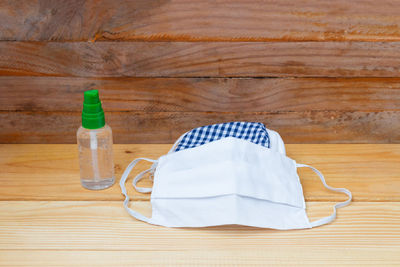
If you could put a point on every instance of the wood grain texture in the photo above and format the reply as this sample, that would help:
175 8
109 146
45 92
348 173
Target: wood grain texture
240 20
51 172
200 59
270 255
202 94
316 71
107 226
165 127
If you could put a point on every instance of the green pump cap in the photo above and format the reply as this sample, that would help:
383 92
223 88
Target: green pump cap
92 113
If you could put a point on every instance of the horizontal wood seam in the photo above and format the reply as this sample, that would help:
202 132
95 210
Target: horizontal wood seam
203 112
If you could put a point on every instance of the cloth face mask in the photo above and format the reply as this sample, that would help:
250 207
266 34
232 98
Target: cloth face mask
227 181
254 132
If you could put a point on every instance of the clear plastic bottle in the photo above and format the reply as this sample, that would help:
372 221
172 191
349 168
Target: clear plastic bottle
95 145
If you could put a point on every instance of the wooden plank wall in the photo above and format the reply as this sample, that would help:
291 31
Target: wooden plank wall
316 71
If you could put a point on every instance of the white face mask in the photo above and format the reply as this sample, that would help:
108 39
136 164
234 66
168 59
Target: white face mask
228 181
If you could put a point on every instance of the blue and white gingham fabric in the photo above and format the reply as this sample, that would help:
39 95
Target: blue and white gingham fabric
254 132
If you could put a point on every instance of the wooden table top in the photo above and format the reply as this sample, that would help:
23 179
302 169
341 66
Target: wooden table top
48 219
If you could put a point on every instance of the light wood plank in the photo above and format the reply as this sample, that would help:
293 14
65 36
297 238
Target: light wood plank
51 172
263 256
177 20
166 127
202 94
107 226
200 59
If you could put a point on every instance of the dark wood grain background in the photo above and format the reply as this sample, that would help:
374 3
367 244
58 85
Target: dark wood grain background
316 71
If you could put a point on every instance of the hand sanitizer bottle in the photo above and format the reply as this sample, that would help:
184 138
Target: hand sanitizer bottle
95 145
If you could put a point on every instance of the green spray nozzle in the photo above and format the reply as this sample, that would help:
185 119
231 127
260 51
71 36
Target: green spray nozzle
92 113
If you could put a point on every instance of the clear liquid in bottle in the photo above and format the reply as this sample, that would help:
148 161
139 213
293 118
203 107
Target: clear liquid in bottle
96 157
95 145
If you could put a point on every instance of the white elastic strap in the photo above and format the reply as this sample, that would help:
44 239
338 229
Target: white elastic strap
122 182
331 217
138 178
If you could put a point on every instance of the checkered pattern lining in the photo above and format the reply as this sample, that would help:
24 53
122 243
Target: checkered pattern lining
254 132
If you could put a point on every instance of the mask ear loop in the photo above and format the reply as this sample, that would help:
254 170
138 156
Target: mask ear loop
122 182
154 166
331 217
139 177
